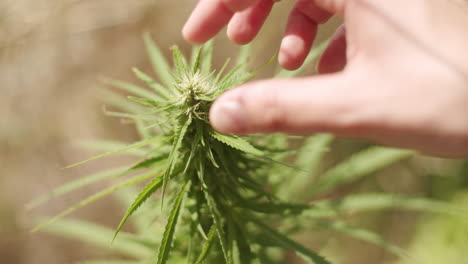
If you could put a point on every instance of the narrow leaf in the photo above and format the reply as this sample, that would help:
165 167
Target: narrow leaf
109 146
131 88
129 147
180 63
196 58
147 191
358 165
207 57
284 241
174 155
368 236
96 197
159 63
376 201
308 159
98 236
168 236
163 92
206 245
74 185
237 143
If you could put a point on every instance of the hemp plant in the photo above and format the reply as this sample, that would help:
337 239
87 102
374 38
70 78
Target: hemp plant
214 198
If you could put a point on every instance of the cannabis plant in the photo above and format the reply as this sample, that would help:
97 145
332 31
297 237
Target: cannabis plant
215 198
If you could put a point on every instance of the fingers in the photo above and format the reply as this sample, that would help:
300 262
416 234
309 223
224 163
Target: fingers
301 30
245 24
237 5
326 103
297 40
333 58
206 20
210 16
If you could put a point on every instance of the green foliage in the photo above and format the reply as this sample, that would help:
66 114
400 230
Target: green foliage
216 198
168 237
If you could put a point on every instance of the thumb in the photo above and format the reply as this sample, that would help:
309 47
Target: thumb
328 103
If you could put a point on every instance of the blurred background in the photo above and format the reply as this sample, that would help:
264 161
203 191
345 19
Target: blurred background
52 55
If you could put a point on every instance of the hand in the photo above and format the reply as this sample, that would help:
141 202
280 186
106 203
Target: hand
404 82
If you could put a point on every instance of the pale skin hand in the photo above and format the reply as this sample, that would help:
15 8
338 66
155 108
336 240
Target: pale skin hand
398 74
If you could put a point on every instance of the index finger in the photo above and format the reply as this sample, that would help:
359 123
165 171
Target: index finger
210 16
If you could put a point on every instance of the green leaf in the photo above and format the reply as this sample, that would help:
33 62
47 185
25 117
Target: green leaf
358 165
119 101
109 146
163 92
147 191
98 236
174 155
96 197
207 57
167 240
159 63
196 58
286 242
131 88
376 201
146 102
180 63
129 147
308 159
237 143
147 163
74 185
217 219
206 245
368 236
110 262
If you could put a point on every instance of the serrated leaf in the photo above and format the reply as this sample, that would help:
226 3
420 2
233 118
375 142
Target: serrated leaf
162 92
308 159
284 241
174 154
119 101
167 240
96 197
196 58
180 63
217 219
237 143
110 262
131 88
74 185
98 236
148 162
358 165
368 236
206 246
147 191
146 102
375 201
129 147
207 57
159 63
109 146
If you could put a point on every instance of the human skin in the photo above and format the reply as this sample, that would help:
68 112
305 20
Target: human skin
397 75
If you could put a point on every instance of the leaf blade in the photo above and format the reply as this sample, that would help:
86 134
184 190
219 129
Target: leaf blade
168 235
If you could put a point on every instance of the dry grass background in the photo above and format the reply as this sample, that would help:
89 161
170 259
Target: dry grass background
51 55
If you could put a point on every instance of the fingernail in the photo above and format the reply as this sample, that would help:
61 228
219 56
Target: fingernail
228 117
290 49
